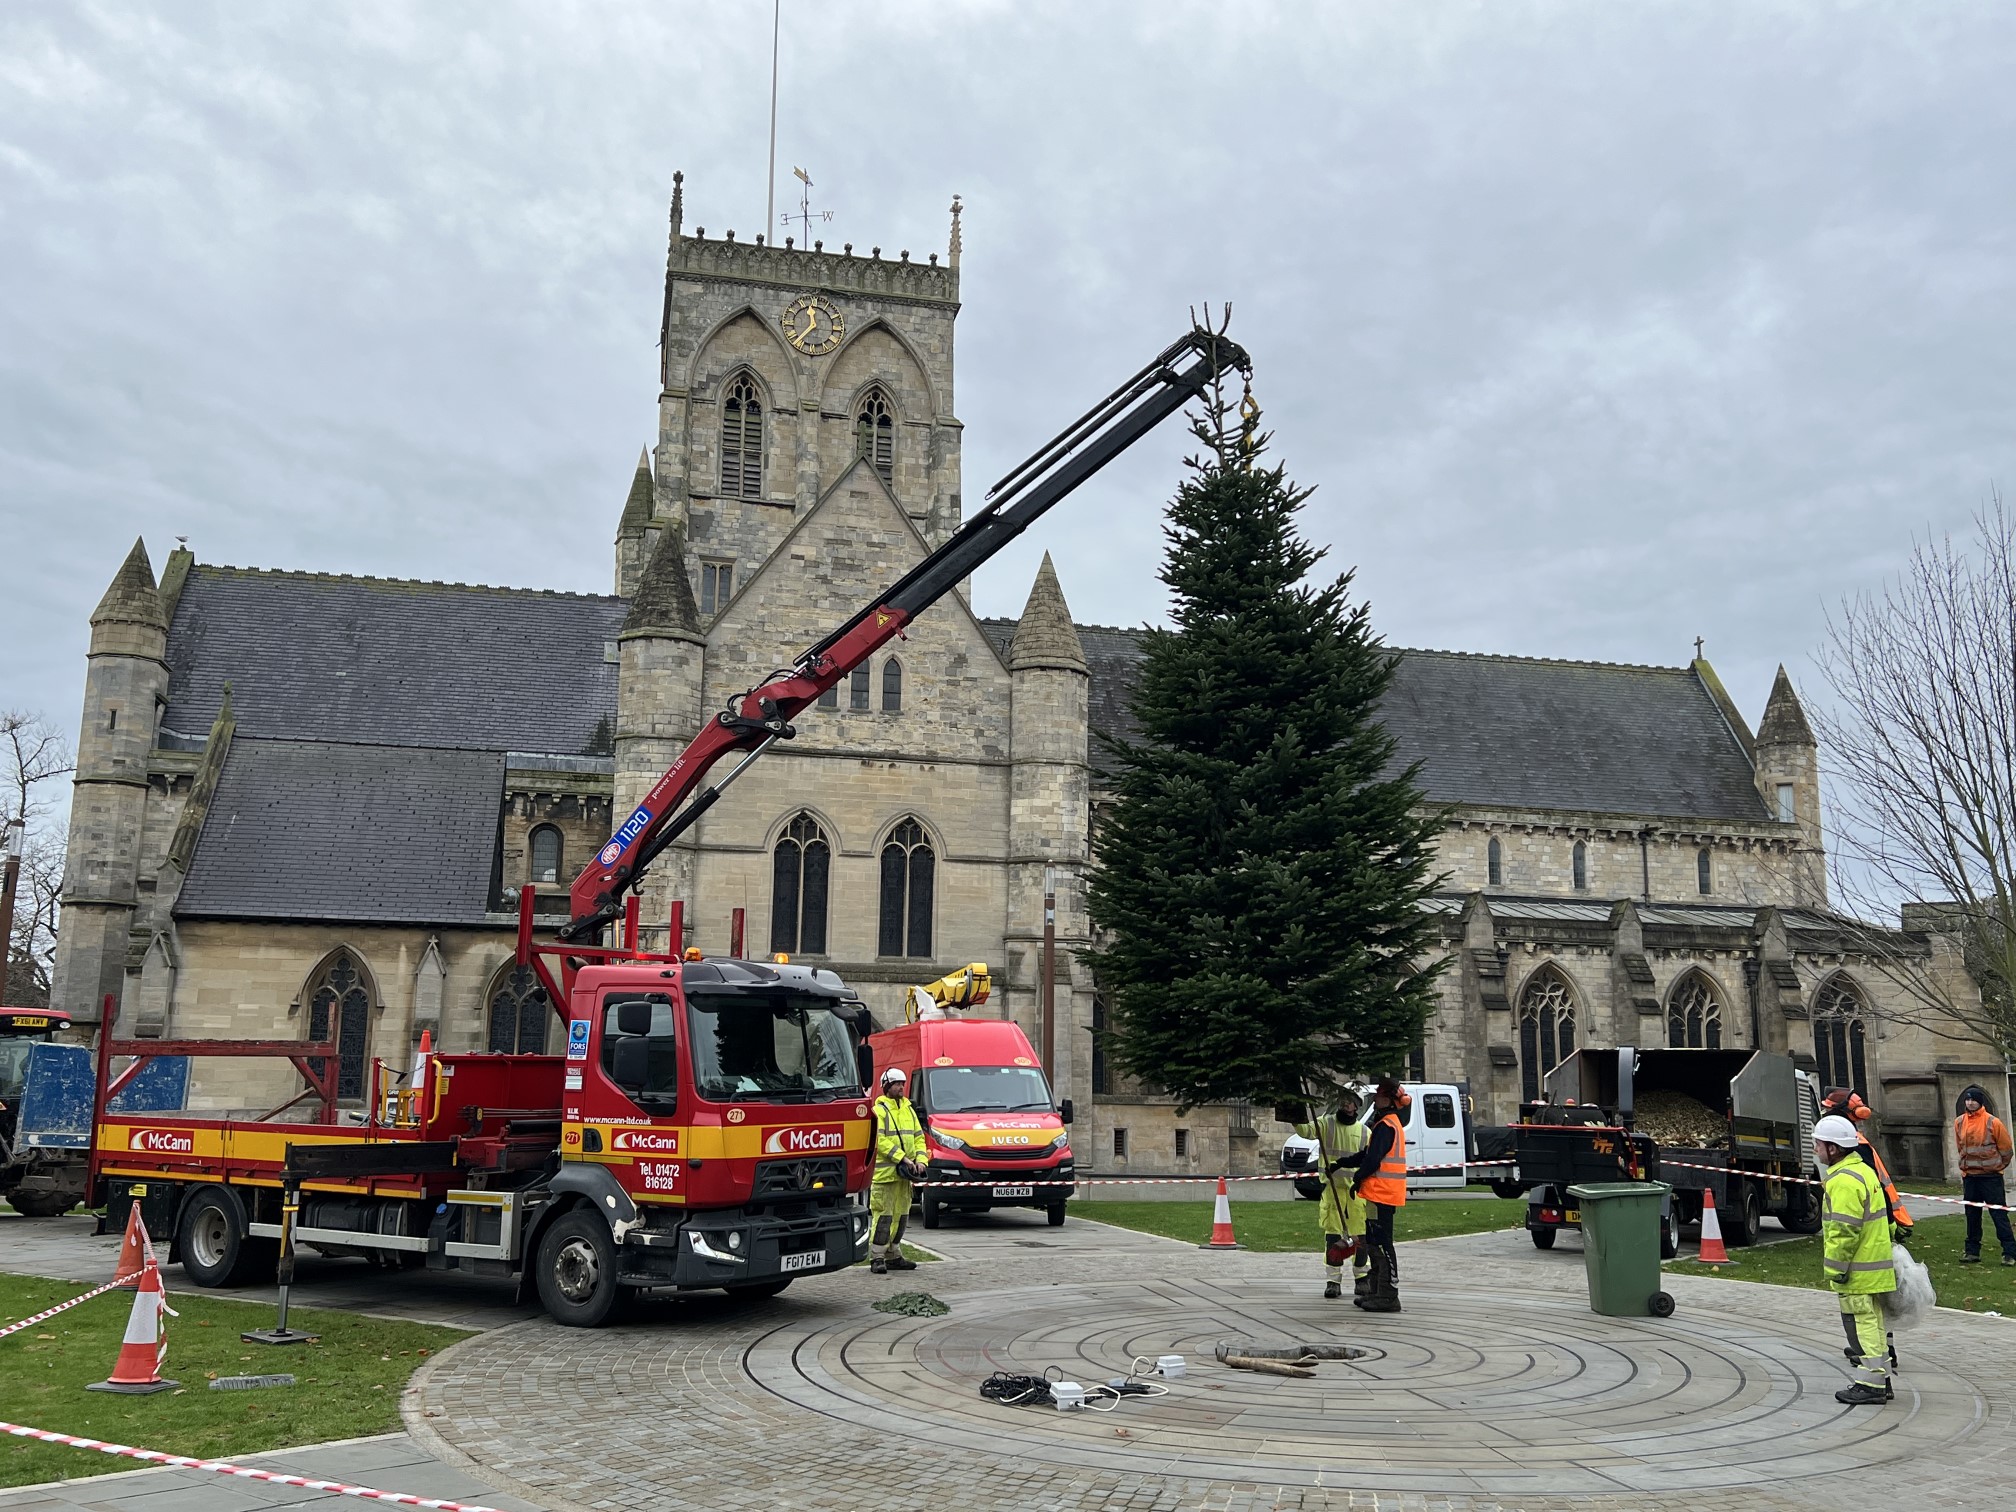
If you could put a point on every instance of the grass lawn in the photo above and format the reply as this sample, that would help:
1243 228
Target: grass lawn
1290 1226
1987 1287
349 1384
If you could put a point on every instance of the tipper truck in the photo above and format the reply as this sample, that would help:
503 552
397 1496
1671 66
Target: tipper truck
708 1125
1738 1123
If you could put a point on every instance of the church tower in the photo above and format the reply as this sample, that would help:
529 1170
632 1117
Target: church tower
1049 809
783 365
125 684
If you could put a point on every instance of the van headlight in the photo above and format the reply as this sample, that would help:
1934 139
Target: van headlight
949 1141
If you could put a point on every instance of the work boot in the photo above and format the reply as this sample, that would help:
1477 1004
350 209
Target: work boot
878 1266
1332 1291
901 1262
1859 1395
1382 1296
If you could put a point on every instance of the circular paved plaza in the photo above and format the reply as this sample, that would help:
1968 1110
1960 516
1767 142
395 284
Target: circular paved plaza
1497 1388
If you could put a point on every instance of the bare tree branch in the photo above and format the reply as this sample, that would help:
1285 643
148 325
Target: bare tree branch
32 757
1921 742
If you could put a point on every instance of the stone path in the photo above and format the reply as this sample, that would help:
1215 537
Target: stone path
1498 1388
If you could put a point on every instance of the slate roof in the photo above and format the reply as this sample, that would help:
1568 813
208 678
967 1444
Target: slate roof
1517 732
309 829
392 662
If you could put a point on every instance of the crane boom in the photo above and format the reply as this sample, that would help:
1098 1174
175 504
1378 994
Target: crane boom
754 721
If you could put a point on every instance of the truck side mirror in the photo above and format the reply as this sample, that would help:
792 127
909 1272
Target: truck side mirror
633 1017
630 1065
864 1063
1064 1110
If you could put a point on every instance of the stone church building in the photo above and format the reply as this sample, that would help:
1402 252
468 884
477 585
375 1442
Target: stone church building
305 802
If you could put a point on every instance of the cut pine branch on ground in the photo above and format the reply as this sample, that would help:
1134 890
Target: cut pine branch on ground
348 1385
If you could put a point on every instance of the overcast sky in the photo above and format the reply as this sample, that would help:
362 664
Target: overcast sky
1598 327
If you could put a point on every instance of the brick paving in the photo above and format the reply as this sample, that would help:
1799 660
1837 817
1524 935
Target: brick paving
1497 1389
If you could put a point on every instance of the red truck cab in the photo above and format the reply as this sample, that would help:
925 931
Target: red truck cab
993 1133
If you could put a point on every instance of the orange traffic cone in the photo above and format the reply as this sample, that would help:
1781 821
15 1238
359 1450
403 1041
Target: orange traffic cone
1221 1223
1713 1251
135 1248
146 1344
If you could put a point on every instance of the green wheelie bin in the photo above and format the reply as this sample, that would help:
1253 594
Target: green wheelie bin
1620 1246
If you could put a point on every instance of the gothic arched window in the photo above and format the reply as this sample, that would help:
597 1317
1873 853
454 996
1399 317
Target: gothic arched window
339 1008
1704 871
742 440
859 681
830 699
1840 1040
519 1009
892 686
798 877
1546 1027
909 879
875 434
544 845
1581 867
1694 1015
1494 863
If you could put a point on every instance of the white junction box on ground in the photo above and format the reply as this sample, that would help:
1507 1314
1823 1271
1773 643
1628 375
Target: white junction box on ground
1169 1367
1068 1395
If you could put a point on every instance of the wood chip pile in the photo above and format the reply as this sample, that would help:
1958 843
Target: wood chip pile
1678 1121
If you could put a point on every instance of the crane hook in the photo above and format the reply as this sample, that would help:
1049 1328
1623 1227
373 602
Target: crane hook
1249 425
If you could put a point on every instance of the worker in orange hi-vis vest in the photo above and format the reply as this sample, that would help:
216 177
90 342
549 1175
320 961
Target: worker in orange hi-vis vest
1844 1102
1983 1142
1381 1180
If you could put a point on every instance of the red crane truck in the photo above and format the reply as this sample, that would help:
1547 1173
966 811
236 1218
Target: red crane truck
708 1125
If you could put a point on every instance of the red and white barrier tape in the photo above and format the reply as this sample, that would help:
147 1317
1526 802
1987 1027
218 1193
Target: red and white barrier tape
1993 1207
224 1467
1011 1178
50 1312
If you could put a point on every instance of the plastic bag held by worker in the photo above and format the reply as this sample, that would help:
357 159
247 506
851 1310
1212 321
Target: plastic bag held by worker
1913 1301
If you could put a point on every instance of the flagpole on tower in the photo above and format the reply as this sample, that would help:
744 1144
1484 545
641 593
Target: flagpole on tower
770 203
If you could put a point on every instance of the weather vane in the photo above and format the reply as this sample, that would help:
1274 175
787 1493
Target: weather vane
806 214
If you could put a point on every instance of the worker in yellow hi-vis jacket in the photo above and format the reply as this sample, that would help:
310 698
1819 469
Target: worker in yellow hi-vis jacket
1856 1257
899 1161
1341 1215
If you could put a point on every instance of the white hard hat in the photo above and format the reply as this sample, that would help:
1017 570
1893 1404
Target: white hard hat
1836 1130
895 1074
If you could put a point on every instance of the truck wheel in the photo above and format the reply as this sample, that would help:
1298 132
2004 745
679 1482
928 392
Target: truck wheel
931 1208
1669 1243
1056 1214
1508 1189
1739 1225
216 1251
577 1271
1802 1209
41 1204
1309 1188
1543 1238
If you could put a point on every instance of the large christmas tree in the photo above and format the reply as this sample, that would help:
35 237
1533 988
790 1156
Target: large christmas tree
1261 873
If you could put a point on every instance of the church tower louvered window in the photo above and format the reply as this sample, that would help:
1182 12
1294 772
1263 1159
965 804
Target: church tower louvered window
875 434
339 1008
742 441
800 868
909 879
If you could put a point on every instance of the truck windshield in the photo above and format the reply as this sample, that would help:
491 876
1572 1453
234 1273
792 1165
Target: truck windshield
986 1089
776 1047
13 1065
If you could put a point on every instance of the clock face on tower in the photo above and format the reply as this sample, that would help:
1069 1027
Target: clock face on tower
813 325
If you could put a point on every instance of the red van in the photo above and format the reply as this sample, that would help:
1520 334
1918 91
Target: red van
994 1136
